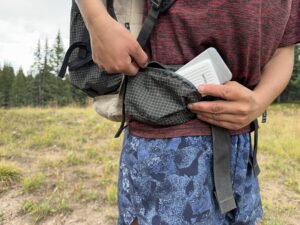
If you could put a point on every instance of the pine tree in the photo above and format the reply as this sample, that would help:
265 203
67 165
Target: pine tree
48 83
18 90
57 54
31 98
1 85
36 71
37 66
295 81
56 57
6 80
291 92
66 92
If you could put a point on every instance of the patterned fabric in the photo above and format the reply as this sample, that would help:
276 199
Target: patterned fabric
169 181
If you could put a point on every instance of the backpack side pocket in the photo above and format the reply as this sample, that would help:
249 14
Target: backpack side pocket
84 73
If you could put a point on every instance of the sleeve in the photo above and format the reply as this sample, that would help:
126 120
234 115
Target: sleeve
292 31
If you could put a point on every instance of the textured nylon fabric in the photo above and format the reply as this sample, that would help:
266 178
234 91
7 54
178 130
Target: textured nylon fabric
88 77
159 97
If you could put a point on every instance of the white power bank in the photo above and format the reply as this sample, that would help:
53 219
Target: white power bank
206 68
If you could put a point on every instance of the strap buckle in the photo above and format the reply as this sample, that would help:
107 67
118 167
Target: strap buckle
156 4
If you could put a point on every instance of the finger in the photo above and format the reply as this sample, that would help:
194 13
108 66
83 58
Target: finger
230 118
132 69
227 125
223 107
139 56
229 91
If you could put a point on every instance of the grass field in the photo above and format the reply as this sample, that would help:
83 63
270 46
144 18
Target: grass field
60 166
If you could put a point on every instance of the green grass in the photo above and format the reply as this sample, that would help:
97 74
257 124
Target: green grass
1 217
33 183
9 174
111 194
279 151
40 210
56 160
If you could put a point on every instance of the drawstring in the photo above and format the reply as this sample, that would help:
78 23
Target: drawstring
122 93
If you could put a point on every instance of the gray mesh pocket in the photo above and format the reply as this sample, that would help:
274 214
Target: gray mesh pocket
84 73
159 96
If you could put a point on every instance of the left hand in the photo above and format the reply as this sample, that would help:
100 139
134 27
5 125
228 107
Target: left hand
238 109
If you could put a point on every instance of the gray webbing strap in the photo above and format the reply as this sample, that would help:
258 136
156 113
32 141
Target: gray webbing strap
149 23
110 8
221 169
253 161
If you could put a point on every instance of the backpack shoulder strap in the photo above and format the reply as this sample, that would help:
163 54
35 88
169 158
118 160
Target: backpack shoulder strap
157 7
110 8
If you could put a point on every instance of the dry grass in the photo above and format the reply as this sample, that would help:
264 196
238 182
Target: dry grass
61 164
280 160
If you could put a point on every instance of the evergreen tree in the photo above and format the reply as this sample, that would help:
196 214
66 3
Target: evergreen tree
48 83
295 81
18 90
57 54
292 91
42 86
31 90
36 71
65 94
6 80
1 85
37 66
62 93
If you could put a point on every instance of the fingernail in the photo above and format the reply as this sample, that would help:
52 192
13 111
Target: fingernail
190 106
146 64
201 89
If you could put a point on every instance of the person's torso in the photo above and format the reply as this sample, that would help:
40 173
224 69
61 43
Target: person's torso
245 33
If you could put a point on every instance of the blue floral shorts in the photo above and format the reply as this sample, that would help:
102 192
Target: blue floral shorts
170 182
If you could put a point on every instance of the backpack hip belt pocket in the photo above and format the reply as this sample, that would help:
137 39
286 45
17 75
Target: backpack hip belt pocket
159 96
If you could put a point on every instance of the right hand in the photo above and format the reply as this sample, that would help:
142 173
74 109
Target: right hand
114 48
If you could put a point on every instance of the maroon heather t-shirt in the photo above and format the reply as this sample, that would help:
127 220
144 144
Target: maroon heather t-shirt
245 33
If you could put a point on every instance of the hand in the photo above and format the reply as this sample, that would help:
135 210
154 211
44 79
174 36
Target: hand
238 109
114 48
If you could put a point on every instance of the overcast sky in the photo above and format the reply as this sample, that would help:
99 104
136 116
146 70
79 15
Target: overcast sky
24 22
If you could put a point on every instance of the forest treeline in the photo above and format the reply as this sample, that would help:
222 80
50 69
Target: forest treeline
42 87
